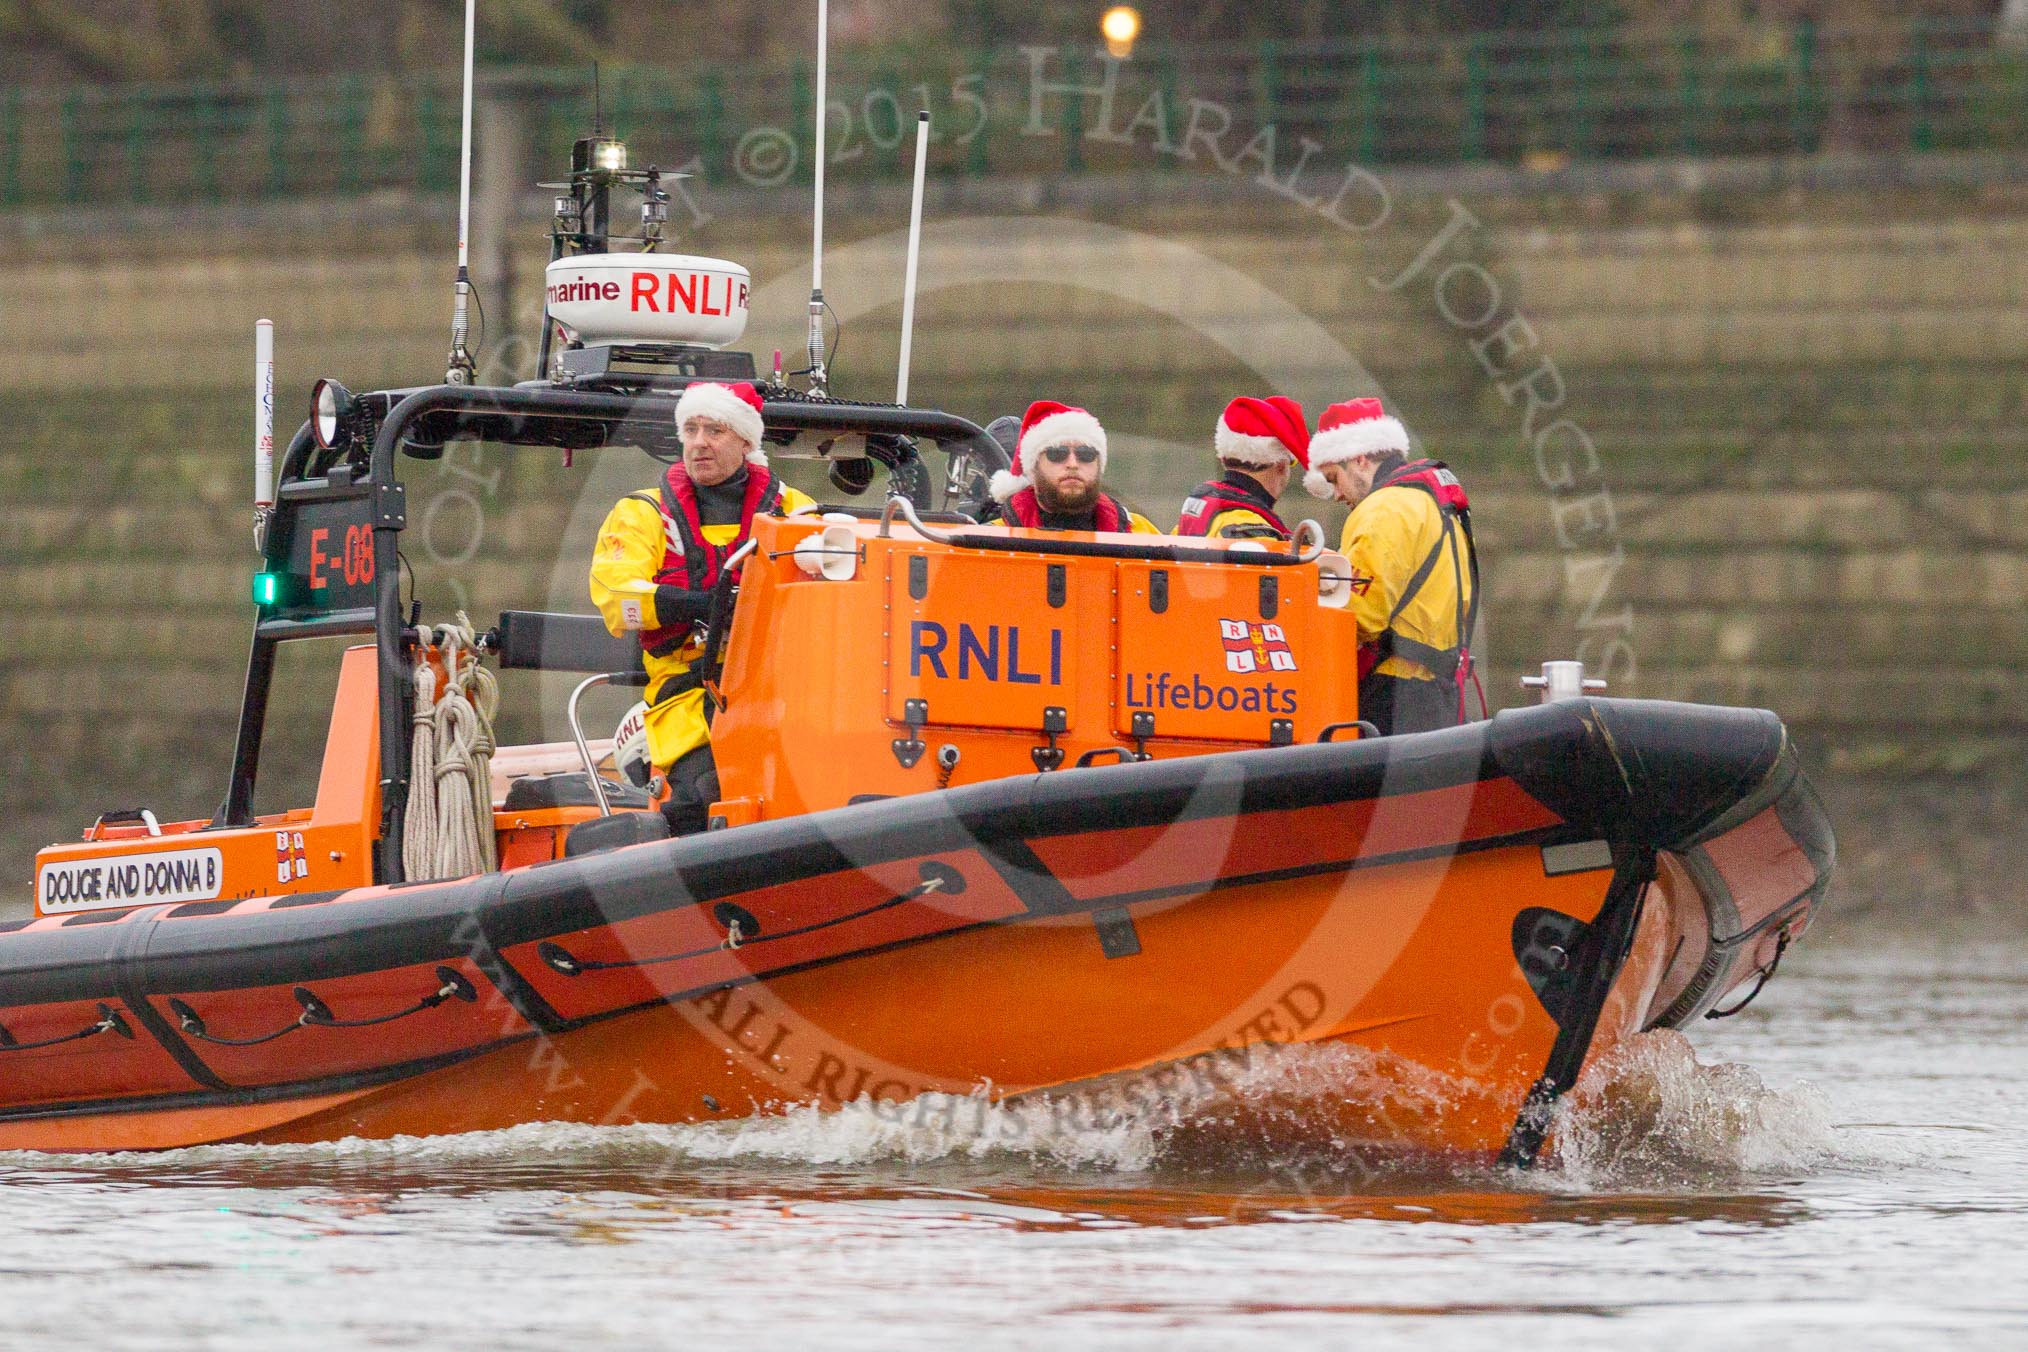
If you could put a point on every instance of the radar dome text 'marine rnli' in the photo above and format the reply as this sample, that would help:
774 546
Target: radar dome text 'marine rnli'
1001 811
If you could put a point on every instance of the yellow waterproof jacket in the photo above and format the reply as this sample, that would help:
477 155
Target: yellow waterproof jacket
631 546
1222 509
1240 523
1387 538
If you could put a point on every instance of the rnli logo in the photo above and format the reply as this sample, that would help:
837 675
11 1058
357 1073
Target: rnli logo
1251 647
693 291
291 860
987 652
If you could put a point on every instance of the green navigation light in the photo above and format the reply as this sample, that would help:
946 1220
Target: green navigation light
267 588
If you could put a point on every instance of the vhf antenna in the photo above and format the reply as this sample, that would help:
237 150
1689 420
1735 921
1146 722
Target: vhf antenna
922 126
460 370
818 376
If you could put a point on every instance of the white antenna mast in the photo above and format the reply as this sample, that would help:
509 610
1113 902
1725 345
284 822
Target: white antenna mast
914 253
818 376
460 371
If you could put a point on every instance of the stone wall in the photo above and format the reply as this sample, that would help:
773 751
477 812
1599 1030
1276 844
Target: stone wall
1809 489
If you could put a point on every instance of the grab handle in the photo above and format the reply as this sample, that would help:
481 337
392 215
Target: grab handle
125 814
637 679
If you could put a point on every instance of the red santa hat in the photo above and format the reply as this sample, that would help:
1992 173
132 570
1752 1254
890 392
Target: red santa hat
1262 433
737 406
1047 423
1347 431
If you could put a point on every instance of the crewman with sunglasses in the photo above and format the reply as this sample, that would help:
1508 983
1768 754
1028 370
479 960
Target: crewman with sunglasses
1054 483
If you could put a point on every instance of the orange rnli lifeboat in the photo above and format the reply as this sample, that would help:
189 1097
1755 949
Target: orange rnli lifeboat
1048 810
1053 808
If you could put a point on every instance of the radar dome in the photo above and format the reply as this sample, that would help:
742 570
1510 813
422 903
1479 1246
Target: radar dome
649 298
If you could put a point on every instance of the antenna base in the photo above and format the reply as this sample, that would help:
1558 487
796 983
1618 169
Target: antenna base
461 368
819 375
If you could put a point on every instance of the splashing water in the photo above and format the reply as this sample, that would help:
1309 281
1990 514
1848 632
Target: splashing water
1652 1116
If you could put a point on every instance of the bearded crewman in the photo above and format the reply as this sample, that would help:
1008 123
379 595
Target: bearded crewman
659 556
1415 570
1259 443
1056 480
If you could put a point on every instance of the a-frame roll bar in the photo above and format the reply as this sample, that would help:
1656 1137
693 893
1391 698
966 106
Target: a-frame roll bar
369 495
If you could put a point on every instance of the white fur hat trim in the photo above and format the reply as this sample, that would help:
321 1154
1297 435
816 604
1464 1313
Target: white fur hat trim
1238 448
1005 484
1369 436
708 399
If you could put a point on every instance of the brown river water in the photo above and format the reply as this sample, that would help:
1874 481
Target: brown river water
1845 1162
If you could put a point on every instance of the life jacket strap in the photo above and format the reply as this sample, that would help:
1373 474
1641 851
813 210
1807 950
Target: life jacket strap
682 683
1454 511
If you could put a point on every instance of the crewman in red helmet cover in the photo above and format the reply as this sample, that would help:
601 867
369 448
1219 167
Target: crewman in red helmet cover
1259 443
1415 571
659 555
1055 481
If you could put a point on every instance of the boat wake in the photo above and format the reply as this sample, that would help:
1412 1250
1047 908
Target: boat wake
1653 1115
1298 1119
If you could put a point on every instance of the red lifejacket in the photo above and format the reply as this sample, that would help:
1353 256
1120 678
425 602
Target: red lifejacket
1024 510
1433 477
689 560
1215 496
1454 509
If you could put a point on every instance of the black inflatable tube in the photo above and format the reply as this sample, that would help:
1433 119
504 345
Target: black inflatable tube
1651 774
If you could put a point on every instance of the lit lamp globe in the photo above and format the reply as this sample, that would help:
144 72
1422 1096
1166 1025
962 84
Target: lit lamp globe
1120 25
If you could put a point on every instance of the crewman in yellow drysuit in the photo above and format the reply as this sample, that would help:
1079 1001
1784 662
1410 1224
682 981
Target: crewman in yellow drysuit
658 557
1415 572
1259 443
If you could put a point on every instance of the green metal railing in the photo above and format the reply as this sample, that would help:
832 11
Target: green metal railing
1532 99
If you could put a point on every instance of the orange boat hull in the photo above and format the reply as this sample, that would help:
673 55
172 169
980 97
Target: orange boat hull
1469 930
1030 1008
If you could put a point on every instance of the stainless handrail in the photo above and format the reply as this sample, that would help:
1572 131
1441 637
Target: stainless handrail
915 522
591 769
738 556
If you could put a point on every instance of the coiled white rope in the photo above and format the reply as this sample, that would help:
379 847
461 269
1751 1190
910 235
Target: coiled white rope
458 850
419 819
447 830
483 688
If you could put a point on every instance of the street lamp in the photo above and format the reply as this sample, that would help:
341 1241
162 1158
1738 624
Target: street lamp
1120 25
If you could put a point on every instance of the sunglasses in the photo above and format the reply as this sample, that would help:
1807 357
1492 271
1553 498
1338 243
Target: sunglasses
1058 455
